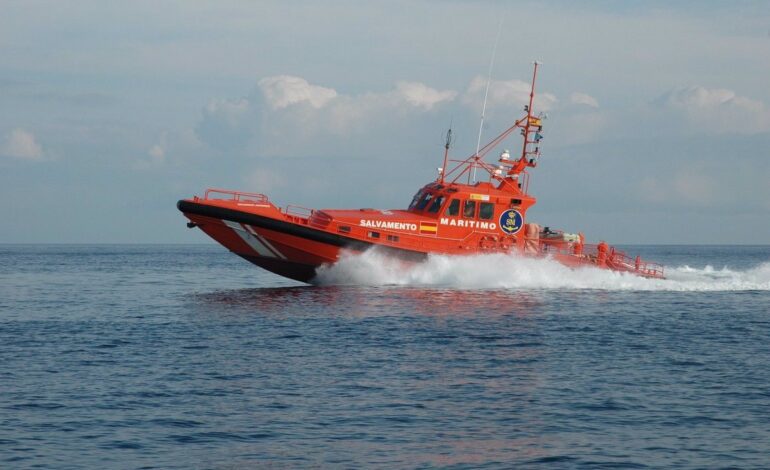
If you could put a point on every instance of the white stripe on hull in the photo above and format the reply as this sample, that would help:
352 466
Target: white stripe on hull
264 241
250 239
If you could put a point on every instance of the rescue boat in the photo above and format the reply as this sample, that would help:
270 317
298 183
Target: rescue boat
456 214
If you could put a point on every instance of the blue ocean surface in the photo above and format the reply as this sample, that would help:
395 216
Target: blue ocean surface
137 356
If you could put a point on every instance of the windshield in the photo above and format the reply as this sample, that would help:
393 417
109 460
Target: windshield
415 199
424 201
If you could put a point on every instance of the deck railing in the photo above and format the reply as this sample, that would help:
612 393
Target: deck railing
625 262
614 258
240 196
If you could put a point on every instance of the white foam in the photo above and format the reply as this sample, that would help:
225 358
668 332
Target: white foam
373 268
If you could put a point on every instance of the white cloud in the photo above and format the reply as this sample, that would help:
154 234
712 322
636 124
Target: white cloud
157 156
172 149
583 99
285 90
719 110
505 93
232 111
157 153
348 114
699 97
285 114
420 95
21 144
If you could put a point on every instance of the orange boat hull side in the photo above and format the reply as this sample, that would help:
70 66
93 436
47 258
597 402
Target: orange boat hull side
282 254
292 255
291 247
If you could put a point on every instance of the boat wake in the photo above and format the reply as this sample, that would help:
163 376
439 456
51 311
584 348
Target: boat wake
492 271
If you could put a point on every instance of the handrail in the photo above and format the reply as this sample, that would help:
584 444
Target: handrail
298 211
636 265
639 265
319 219
616 259
240 196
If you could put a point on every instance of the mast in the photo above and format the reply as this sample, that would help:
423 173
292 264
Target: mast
532 124
446 153
529 124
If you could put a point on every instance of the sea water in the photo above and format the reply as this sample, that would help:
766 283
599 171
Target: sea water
121 356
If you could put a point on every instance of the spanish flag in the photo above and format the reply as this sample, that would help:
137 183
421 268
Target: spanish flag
428 227
533 121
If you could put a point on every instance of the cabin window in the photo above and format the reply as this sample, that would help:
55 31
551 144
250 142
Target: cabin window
469 209
415 200
515 202
453 208
373 234
486 210
436 205
343 229
424 201
393 238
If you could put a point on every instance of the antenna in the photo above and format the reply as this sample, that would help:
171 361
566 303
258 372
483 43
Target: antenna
486 94
447 144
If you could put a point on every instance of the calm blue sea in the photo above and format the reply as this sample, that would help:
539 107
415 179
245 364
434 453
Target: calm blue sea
121 356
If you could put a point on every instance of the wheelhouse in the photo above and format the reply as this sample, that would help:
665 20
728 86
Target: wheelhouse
482 201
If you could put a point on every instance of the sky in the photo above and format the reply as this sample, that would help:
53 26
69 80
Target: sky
658 126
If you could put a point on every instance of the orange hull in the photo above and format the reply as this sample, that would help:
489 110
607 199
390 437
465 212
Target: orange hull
294 245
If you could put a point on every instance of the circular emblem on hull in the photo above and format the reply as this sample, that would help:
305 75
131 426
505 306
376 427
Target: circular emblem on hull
511 221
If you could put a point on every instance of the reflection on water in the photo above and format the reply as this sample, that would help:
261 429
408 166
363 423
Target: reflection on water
460 371
374 301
